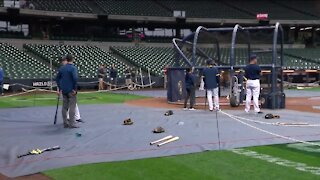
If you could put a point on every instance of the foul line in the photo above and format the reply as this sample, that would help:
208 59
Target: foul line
287 124
279 161
268 132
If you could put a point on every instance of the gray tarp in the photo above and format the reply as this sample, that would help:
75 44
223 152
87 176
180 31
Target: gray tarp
104 138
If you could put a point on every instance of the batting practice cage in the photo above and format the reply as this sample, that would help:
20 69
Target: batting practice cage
266 42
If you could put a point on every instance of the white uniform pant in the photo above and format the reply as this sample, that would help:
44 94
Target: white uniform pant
215 93
76 115
253 89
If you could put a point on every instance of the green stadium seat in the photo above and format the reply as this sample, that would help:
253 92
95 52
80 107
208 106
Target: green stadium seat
87 58
19 65
78 6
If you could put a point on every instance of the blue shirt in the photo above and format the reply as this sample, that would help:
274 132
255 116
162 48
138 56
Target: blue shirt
252 71
211 77
1 75
190 80
67 78
113 73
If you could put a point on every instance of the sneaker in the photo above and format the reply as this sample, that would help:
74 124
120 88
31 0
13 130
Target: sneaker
210 110
260 112
217 109
192 109
80 120
185 109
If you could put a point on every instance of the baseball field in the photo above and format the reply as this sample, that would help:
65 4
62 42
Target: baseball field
268 160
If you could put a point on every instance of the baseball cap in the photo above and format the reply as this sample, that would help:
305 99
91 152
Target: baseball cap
209 62
253 56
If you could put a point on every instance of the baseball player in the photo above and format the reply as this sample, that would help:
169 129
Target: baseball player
211 78
128 75
77 116
113 73
253 73
101 75
190 80
1 81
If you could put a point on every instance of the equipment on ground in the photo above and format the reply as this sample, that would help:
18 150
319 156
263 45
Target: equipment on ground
165 140
235 90
39 151
271 116
162 139
55 116
158 130
168 141
127 121
168 113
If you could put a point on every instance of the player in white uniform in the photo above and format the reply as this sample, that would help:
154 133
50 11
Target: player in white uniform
253 73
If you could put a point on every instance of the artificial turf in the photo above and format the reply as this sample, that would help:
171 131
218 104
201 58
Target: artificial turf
205 165
292 154
40 99
317 89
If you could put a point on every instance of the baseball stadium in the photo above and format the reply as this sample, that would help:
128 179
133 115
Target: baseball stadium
159 89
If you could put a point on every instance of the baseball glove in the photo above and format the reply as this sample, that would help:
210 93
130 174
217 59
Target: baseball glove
168 113
158 130
127 122
271 116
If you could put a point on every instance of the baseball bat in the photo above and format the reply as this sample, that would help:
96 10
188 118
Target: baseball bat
294 123
38 151
168 141
55 116
163 139
205 101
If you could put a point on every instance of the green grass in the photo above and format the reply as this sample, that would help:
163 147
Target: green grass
205 165
51 99
317 89
282 151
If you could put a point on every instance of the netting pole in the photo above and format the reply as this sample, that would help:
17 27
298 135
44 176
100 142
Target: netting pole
149 78
51 74
141 78
273 70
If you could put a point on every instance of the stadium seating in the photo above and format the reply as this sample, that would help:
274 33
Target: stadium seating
307 53
86 38
133 7
19 65
153 58
309 6
79 6
205 9
275 11
87 58
231 9
308 58
12 34
156 58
